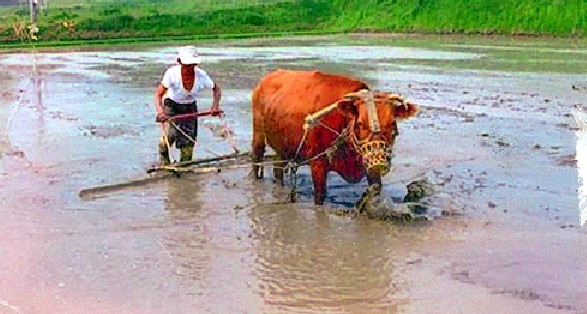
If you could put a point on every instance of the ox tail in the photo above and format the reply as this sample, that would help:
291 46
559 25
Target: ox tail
258 141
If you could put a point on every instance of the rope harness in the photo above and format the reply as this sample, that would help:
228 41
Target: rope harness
375 153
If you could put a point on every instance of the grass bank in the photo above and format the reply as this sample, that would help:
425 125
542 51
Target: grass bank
71 22
513 17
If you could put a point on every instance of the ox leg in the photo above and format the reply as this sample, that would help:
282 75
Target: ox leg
319 172
278 169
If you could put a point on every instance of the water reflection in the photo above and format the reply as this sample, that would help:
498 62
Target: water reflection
187 240
279 257
311 261
581 157
29 86
40 87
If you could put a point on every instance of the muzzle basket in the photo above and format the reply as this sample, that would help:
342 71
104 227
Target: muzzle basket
376 155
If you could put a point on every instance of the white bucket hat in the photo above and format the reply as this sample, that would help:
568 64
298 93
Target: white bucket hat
188 55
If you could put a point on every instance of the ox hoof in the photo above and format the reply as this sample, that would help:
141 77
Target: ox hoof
318 200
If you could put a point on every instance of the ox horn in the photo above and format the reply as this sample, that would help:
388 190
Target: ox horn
351 96
395 97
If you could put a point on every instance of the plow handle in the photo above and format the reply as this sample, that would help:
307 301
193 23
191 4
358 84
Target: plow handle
195 115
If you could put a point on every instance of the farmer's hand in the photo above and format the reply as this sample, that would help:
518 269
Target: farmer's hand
161 117
217 113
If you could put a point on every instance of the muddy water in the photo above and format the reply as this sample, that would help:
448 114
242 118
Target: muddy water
497 139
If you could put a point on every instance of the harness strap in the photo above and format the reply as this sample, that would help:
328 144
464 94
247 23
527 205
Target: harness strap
311 120
372 113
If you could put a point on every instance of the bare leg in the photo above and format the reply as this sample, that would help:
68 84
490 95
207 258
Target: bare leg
164 151
164 144
187 152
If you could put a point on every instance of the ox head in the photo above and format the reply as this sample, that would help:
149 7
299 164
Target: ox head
373 126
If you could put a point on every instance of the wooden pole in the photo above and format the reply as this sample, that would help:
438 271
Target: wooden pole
158 173
93 191
199 162
34 29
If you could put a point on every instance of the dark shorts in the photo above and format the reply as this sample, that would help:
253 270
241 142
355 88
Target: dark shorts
189 127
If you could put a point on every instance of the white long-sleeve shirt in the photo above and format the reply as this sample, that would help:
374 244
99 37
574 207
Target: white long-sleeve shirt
175 90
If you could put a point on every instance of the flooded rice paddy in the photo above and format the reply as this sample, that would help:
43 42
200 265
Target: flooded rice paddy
501 141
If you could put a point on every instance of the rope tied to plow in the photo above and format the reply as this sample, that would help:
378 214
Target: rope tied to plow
226 130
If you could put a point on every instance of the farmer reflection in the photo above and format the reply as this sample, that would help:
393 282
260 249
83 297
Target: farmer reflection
187 237
176 94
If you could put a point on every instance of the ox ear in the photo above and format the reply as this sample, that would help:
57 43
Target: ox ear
405 110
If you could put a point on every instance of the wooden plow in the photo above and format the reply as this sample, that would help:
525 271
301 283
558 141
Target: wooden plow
207 165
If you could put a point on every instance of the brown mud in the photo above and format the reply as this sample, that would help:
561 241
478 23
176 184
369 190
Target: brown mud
501 149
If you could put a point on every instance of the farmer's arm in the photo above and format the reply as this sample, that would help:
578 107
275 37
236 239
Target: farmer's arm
159 93
216 96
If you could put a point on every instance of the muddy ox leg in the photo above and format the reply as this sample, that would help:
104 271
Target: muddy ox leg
373 190
319 172
375 184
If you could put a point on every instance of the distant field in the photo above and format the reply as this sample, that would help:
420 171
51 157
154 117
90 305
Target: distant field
168 6
69 20
85 20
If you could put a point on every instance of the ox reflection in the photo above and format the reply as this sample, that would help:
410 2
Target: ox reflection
331 122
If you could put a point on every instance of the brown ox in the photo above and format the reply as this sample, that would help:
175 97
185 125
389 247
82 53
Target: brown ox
332 122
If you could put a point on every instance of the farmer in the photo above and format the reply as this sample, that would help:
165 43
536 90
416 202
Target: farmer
176 94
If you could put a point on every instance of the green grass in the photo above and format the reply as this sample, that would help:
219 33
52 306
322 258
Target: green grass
466 16
112 20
